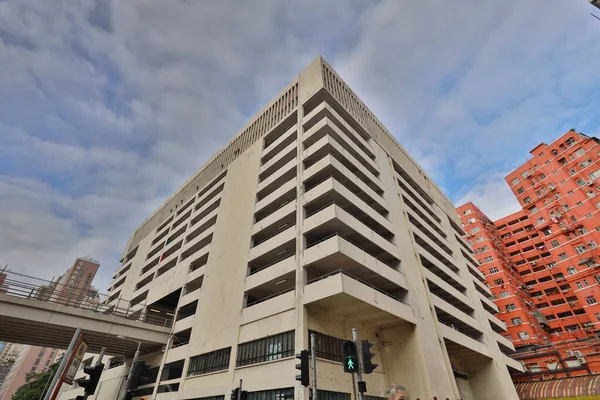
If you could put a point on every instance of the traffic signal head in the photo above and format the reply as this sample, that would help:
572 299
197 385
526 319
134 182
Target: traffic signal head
89 384
234 393
303 367
349 356
140 375
244 395
367 356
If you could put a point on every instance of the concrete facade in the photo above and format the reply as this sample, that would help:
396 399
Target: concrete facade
313 219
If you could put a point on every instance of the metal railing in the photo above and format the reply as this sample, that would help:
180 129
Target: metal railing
67 294
341 271
450 325
257 301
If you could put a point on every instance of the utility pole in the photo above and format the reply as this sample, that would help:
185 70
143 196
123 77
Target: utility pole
361 383
313 358
61 367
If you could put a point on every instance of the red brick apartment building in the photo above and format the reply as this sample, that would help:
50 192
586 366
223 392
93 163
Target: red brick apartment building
542 263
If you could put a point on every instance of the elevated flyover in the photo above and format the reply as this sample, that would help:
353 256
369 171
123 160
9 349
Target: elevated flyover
46 315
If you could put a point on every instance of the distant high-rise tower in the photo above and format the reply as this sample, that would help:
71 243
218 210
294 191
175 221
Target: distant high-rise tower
313 219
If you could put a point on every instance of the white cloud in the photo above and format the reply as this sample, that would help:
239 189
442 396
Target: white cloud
107 106
493 196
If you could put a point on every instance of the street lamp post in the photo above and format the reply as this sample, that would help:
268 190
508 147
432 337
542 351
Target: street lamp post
125 387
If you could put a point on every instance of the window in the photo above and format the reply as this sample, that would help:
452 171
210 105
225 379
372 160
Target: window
467 211
523 335
579 204
594 174
581 248
516 321
572 270
533 210
563 256
579 152
520 190
504 293
328 347
572 172
590 300
217 360
526 199
499 281
515 181
592 244
276 394
554 243
510 307
543 176
488 259
187 311
327 395
580 182
493 270
475 230
570 192
597 278
470 220
598 316
266 349
588 215
579 285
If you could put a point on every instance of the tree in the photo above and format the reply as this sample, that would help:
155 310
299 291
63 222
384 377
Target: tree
35 384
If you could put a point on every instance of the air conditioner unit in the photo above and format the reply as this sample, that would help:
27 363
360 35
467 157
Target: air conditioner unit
569 353
533 263
582 360
572 303
578 353
540 297
565 290
589 183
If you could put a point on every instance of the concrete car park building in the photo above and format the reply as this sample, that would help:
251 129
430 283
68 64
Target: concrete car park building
313 219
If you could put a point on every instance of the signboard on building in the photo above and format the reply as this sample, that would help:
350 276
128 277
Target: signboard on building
74 361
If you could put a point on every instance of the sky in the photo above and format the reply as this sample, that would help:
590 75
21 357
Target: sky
106 107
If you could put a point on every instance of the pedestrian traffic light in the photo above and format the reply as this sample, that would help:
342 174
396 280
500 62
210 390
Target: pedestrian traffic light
303 367
367 356
349 356
89 384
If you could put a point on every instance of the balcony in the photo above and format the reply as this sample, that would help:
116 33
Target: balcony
328 146
489 305
461 343
437 268
284 174
273 202
280 302
273 250
324 110
506 345
329 166
449 294
347 298
334 220
271 272
335 253
289 153
270 288
497 325
283 141
326 127
331 191
198 244
448 313
274 223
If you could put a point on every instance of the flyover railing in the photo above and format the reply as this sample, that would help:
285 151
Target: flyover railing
72 294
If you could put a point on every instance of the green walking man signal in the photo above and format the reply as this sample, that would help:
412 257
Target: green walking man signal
350 356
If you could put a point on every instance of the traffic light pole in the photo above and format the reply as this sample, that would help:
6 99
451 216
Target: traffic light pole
61 367
361 395
313 360
239 395
130 374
